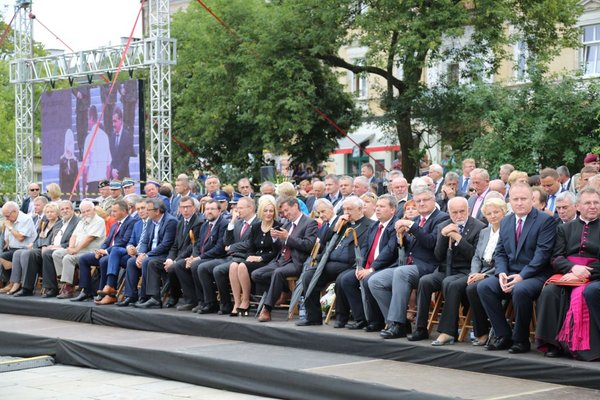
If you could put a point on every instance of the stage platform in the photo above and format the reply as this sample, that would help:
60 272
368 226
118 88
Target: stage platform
241 354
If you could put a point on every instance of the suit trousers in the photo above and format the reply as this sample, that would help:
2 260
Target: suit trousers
349 296
132 276
329 274
86 262
523 295
214 275
391 288
156 276
262 276
196 265
428 284
19 263
481 324
591 293
109 271
49 273
454 288
279 282
32 269
186 281
66 264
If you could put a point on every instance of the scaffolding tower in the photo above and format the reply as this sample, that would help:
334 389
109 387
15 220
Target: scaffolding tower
157 52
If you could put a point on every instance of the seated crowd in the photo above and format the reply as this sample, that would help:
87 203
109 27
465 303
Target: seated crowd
485 245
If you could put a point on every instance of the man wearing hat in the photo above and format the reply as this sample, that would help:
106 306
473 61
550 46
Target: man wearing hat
151 190
115 194
104 190
128 186
222 198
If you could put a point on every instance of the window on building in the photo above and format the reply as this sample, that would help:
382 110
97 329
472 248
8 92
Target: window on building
358 82
521 56
591 49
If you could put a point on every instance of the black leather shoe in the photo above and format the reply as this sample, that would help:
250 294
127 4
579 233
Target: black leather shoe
357 325
50 293
209 309
395 330
554 352
519 347
502 343
151 303
339 324
140 302
374 327
420 334
126 302
225 309
82 296
171 303
23 292
305 322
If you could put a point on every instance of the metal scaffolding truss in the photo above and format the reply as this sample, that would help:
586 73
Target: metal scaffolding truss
157 52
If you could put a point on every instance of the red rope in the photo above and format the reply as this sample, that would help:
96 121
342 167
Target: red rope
7 29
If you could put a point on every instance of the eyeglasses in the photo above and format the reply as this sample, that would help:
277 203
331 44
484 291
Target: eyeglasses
34 190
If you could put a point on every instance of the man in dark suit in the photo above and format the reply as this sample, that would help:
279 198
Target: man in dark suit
210 245
118 236
436 173
182 189
60 239
298 237
549 180
468 165
332 189
448 191
341 258
188 229
379 251
464 233
391 287
317 192
522 260
82 105
399 189
156 243
214 274
34 192
121 146
368 172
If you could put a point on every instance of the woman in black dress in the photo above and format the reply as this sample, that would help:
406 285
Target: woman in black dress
262 248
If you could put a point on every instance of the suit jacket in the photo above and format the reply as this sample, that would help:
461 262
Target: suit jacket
477 263
301 240
531 256
400 207
462 254
214 244
122 236
443 202
344 252
183 244
388 250
166 236
67 232
310 202
234 239
25 205
576 238
122 152
136 234
472 201
339 197
461 182
419 243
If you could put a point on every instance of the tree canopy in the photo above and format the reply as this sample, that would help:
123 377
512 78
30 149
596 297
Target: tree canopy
249 88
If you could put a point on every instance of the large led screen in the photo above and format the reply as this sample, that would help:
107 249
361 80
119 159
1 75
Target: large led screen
113 148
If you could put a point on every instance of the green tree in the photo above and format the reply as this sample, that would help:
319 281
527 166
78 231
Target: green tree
411 35
238 94
7 118
549 122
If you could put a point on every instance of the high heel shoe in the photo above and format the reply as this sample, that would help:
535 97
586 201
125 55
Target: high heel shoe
235 313
15 288
244 312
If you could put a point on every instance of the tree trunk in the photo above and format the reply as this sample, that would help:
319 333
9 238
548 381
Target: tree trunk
407 146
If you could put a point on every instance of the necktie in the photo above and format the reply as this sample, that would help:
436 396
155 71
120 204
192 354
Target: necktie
244 229
112 242
117 138
465 185
519 229
422 222
206 238
142 235
461 228
371 256
287 252
323 229
551 200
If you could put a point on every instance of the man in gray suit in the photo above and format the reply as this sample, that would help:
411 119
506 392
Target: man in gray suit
298 237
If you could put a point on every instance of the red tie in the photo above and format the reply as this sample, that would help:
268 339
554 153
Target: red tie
244 229
519 229
287 252
371 256
112 242
422 222
206 239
